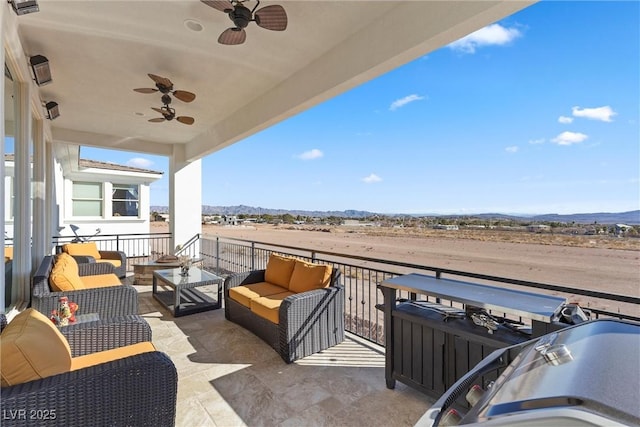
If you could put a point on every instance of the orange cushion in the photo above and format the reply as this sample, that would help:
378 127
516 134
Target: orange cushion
279 269
86 249
100 281
269 307
116 262
307 276
31 348
244 294
64 274
93 359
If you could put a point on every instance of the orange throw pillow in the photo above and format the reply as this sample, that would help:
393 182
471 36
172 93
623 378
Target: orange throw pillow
86 249
31 348
308 276
279 270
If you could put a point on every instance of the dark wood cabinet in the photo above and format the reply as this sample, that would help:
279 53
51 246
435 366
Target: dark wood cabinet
431 354
430 351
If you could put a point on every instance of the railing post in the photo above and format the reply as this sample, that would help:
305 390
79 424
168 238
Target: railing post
313 255
217 254
253 255
117 242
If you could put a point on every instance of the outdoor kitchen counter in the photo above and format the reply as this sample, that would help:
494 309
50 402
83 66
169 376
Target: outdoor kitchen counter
519 303
429 346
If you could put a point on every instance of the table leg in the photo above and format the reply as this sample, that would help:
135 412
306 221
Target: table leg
176 302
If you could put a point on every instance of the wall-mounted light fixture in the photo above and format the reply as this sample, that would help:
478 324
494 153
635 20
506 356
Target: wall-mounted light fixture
41 70
52 110
22 7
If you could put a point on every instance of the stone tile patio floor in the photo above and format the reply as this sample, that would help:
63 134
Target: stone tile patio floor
229 377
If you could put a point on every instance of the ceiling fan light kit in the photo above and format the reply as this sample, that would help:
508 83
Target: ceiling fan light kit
165 87
272 18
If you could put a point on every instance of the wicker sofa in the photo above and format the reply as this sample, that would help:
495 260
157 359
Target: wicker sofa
88 252
107 301
123 382
295 323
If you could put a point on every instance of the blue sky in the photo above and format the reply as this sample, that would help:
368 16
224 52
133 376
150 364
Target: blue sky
538 113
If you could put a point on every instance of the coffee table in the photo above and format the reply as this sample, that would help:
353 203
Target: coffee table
182 295
143 272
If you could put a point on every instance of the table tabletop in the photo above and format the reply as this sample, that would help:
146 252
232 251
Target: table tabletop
196 277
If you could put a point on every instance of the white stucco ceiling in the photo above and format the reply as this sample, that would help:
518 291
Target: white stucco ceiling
100 51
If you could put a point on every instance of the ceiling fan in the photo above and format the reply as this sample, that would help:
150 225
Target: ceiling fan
164 86
270 17
169 113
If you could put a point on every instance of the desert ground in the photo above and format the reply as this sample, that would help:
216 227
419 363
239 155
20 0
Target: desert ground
600 263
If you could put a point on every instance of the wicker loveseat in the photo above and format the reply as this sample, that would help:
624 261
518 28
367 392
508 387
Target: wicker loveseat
88 252
54 377
273 304
110 299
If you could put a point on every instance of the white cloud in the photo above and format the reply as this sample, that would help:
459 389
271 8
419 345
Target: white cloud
311 154
491 35
537 141
569 138
404 101
371 179
512 149
565 120
139 162
603 114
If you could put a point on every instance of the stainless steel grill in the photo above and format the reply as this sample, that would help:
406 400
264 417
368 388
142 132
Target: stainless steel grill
584 375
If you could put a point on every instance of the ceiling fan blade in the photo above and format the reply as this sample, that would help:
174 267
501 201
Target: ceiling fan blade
185 119
157 110
162 81
157 120
184 96
272 18
232 36
146 90
221 5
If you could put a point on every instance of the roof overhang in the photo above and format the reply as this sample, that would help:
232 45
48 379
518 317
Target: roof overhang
99 51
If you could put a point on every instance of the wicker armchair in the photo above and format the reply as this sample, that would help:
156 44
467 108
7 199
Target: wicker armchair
105 334
112 301
138 390
310 321
120 271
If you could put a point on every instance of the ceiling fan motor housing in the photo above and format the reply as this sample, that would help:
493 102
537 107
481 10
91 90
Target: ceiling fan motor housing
166 99
241 16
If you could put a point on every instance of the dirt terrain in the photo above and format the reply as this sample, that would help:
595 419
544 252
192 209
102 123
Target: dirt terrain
589 262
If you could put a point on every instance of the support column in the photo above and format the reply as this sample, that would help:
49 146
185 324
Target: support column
40 236
22 189
2 169
185 198
52 219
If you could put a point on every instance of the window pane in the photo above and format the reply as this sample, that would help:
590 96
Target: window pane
87 190
87 208
124 200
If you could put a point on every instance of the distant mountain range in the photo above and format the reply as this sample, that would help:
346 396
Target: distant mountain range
631 217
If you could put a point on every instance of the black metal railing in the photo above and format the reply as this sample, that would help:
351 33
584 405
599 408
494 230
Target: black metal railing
360 275
139 247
